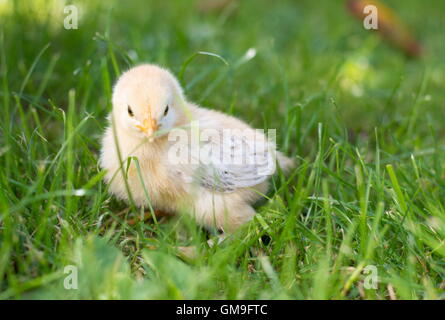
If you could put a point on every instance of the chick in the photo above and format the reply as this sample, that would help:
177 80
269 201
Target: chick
216 179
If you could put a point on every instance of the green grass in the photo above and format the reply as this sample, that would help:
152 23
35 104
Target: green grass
365 123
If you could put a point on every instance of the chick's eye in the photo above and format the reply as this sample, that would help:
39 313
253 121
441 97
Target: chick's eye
166 111
130 112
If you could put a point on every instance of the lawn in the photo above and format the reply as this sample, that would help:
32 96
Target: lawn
361 217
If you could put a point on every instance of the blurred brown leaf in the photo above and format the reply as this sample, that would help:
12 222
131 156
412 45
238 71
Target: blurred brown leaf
390 26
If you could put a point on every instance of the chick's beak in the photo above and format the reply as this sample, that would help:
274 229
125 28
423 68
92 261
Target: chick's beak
149 126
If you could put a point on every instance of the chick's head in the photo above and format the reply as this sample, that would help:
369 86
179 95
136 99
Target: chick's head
146 100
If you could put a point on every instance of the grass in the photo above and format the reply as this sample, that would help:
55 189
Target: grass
364 122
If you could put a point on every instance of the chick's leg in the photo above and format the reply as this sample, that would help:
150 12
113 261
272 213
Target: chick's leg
223 212
230 221
227 215
148 215
236 217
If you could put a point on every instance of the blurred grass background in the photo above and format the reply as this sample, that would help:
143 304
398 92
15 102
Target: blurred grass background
365 122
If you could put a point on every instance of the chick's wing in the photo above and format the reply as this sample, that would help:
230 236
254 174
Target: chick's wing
231 159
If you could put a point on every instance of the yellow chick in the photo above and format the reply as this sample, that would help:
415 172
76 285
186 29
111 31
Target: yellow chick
180 158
